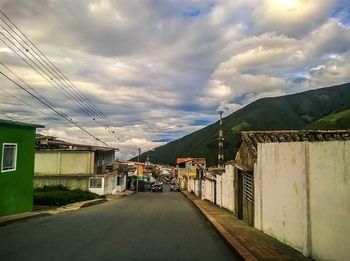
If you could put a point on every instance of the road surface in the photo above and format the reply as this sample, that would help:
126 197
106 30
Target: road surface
145 226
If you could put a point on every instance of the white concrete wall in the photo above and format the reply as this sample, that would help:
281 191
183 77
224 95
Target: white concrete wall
197 185
122 186
302 195
108 186
208 190
63 162
219 184
227 194
330 200
98 191
282 202
191 185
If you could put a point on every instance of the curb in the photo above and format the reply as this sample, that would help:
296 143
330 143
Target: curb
70 207
93 202
241 251
13 220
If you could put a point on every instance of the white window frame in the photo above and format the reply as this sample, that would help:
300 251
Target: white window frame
2 157
95 187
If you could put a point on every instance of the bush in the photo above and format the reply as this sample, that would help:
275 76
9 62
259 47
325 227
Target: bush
60 195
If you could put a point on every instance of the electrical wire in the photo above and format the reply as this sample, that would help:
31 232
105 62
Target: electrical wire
54 69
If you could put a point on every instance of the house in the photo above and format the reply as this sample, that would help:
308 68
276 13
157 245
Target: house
188 171
17 141
59 162
295 186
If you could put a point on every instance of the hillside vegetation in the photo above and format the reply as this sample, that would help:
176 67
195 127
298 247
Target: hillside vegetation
326 108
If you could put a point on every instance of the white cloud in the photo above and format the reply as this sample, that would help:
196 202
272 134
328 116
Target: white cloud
160 69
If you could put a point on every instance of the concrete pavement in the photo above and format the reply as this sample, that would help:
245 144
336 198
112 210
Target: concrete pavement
146 226
247 242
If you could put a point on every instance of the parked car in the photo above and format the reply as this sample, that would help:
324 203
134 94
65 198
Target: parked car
157 188
174 187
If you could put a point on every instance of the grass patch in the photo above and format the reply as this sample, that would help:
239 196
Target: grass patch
60 195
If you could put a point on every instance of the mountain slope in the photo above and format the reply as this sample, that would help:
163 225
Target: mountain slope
295 111
333 121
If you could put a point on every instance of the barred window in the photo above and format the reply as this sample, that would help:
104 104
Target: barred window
95 183
9 157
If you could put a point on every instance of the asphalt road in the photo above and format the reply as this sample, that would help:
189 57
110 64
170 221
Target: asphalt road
145 226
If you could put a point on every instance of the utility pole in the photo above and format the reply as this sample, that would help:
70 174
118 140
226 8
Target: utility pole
137 170
221 142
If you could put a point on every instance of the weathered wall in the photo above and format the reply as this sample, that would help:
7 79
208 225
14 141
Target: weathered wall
208 190
191 184
122 185
243 157
282 192
227 193
302 196
330 199
197 187
64 162
71 182
16 187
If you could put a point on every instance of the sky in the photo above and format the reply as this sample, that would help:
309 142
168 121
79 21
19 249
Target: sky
160 69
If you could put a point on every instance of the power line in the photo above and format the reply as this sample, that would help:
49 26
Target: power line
58 74
53 109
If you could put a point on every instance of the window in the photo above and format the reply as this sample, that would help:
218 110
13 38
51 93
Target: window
95 183
9 157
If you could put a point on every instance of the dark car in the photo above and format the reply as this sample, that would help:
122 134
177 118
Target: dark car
157 188
174 187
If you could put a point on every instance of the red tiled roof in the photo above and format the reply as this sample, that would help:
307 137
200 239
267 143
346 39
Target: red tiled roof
252 138
182 160
195 160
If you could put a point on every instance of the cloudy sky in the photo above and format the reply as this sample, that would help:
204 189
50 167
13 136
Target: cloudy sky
159 69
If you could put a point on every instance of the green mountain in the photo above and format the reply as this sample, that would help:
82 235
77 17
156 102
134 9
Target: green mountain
333 121
322 108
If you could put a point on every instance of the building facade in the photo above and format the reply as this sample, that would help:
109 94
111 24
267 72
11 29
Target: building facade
17 141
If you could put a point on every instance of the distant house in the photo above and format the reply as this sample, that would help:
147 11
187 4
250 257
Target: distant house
295 186
59 162
17 141
187 171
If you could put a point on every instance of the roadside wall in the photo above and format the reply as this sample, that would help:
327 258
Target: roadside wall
227 193
69 181
302 190
63 163
208 190
329 168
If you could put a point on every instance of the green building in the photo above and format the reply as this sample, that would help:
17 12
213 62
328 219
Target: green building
17 150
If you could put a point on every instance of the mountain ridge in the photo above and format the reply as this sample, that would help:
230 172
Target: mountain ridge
292 111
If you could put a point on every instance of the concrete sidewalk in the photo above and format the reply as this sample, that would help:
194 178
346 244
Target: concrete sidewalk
53 211
247 242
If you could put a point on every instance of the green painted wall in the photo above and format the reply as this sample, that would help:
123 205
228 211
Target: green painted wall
16 187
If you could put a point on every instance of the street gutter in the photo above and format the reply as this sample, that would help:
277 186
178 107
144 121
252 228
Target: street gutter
241 251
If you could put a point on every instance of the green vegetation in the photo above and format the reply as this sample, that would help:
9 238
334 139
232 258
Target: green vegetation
60 195
241 127
296 111
338 120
